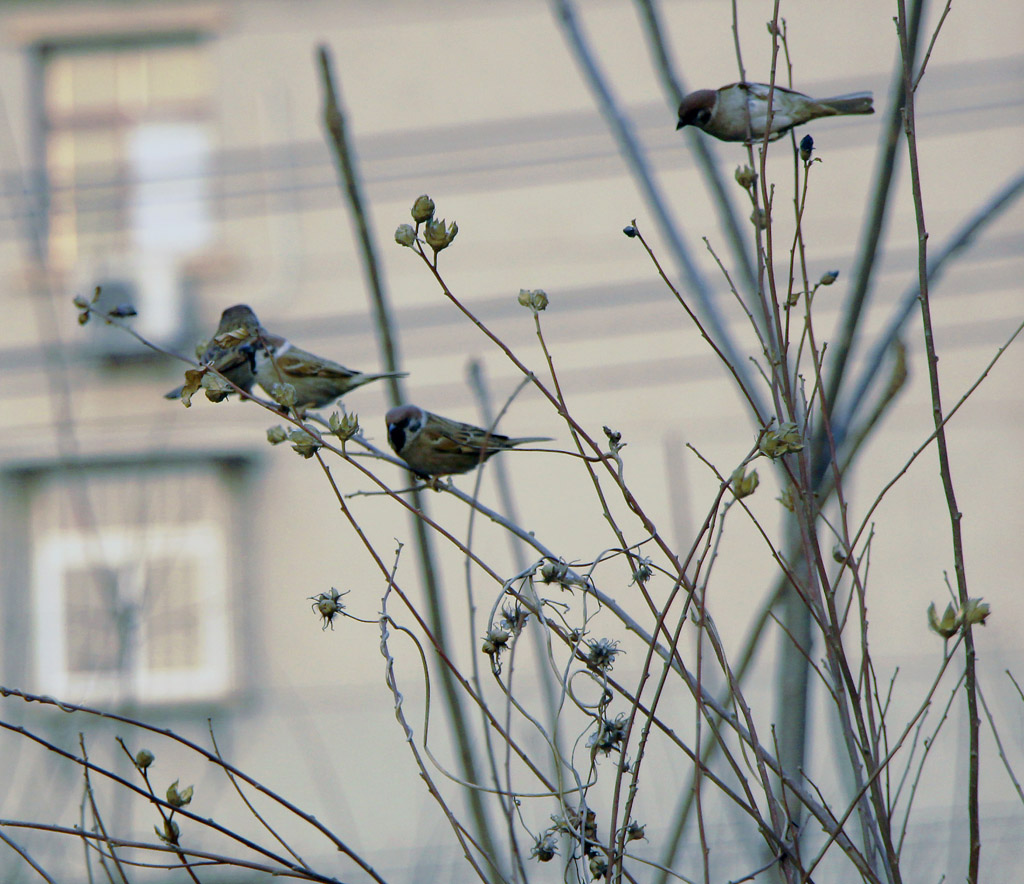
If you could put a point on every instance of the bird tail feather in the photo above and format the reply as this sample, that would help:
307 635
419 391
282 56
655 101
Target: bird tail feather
853 103
526 440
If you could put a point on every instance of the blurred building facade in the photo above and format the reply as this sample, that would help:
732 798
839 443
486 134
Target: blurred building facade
158 560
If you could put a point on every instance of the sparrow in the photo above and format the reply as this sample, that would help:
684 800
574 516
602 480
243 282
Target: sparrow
726 112
434 446
317 381
232 349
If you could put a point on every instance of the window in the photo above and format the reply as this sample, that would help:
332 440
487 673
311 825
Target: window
131 583
127 152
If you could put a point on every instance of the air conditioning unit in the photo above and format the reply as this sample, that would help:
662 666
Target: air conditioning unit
153 286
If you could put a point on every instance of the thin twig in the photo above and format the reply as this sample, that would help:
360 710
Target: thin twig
931 44
565 15
701 146
334 121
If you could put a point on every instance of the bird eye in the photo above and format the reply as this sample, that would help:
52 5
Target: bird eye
702 117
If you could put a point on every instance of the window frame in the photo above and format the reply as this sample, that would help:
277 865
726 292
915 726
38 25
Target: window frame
119 547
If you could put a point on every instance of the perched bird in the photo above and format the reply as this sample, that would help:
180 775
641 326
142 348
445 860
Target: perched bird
317 381
232 349
739 111
434 446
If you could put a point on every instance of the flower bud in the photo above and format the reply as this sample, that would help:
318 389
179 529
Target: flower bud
422 209
276 435
743 484
759 218
177 798
975 612
806 148
170 833
947 625
535 299
840 554
745 177
629 230
303 443
144 758
828 277
405 235
786 499
216 388
283 394
635 831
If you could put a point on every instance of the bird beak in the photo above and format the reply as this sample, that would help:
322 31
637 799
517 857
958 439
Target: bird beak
680 125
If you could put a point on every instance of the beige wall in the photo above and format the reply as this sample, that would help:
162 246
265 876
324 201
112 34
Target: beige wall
481 106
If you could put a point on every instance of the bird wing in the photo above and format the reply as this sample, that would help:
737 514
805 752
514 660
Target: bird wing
456 437
760 90
300 366
782 107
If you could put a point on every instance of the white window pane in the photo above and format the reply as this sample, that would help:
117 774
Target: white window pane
170 204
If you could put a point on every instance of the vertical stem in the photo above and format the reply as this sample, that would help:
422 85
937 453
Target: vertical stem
945 470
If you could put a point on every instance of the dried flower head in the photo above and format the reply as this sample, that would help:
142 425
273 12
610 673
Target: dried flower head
438 236
328 605
554 572
602 653
644 571
277 435
344 426
545 848
784 439
513 618
495 641
635 831
609 734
